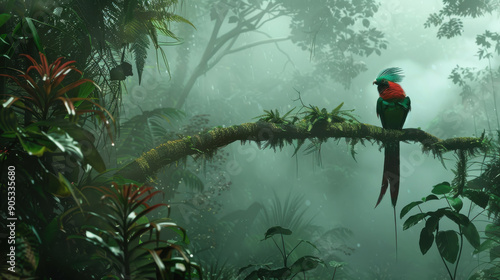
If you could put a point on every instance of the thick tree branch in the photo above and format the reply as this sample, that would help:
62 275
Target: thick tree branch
208 142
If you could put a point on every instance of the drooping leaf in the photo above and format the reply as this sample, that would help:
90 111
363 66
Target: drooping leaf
472 235
426 240
276 230
447 243
480 198
459 219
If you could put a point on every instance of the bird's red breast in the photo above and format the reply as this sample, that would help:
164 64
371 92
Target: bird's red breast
394 91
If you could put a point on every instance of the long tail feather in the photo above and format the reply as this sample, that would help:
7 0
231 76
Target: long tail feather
391 174
391 177
395 232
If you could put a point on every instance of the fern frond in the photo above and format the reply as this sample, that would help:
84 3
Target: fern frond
140 50
189 178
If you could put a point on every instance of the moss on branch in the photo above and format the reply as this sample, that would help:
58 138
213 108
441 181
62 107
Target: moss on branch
278 135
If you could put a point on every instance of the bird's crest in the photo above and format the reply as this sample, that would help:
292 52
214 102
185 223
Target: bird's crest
393 74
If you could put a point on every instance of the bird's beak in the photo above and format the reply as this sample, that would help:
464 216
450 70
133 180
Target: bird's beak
374 82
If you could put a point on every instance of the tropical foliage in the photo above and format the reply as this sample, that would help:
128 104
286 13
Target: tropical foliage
130 243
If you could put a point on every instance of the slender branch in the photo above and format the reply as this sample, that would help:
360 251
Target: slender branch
278 136
254 44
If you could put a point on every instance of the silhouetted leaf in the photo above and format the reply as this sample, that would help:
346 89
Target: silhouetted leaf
426 240
276 230
472 235
447 243
480 198
305 263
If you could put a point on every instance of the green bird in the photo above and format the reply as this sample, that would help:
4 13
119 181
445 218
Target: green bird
392 107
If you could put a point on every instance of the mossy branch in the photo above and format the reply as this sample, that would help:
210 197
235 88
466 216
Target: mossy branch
278 135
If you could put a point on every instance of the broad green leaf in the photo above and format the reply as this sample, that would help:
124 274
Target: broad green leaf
442 188
480 198
430 197
432 223
447 243
4 18
456 203
305 263
65 143
408 207
472 235
84 138
426 240
35 144
413 220
276 230
459 219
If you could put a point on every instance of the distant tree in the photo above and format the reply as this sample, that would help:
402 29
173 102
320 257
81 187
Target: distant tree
479 86
337 34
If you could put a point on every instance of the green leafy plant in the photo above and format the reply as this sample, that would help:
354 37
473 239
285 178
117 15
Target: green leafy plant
131 243
300 266
43 95
449 242
315 116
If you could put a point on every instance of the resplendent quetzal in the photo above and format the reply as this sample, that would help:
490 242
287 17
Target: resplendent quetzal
392 107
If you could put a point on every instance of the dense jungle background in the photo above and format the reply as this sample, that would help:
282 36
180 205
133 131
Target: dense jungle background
169 139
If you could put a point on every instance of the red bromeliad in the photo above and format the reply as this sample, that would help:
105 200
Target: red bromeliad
44 93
